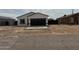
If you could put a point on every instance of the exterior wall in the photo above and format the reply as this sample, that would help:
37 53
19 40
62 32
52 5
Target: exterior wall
28 18
23 17
71 20
78 19
10 21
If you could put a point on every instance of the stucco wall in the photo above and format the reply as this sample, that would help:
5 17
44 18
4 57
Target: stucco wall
37 15
23 17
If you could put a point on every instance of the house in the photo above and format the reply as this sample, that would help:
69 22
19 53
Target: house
33 19
72 19
6 21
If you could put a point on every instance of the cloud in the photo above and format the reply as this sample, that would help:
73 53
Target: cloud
53 13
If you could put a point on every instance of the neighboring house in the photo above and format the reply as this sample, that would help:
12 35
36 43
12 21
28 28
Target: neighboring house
33 19
6 21
72 19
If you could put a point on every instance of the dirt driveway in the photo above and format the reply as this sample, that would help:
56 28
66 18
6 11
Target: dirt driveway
12 38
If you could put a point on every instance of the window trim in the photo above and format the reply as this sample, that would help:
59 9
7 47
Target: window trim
22 21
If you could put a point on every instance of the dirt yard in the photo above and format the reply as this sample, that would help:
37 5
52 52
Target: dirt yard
56 37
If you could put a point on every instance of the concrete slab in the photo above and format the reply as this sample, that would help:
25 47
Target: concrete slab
37 27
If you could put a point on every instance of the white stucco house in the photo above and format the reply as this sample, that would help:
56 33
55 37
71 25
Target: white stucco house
33 19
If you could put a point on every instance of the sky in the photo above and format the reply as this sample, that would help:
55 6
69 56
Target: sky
53 13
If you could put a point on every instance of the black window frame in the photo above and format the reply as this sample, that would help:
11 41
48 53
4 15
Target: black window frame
22 21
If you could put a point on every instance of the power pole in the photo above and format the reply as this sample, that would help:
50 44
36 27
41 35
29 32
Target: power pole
72 11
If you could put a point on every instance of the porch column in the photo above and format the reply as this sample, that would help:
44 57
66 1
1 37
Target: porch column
46 21
18 23
29 22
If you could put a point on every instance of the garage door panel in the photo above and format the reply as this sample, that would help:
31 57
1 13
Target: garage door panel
38 22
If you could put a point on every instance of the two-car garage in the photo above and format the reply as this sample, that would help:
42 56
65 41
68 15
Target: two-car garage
38 22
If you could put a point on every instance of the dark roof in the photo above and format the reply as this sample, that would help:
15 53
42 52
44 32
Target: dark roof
28 14
31 13
4 17
65 16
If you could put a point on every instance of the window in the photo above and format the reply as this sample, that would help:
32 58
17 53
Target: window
22 21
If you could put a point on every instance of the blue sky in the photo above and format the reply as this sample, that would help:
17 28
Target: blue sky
53 13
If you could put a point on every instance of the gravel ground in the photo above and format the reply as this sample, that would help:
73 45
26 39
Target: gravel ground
16 38
49 42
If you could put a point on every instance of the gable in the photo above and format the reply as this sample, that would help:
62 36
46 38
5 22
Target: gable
38 15
25 15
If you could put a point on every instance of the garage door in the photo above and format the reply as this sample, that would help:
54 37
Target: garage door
38 22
